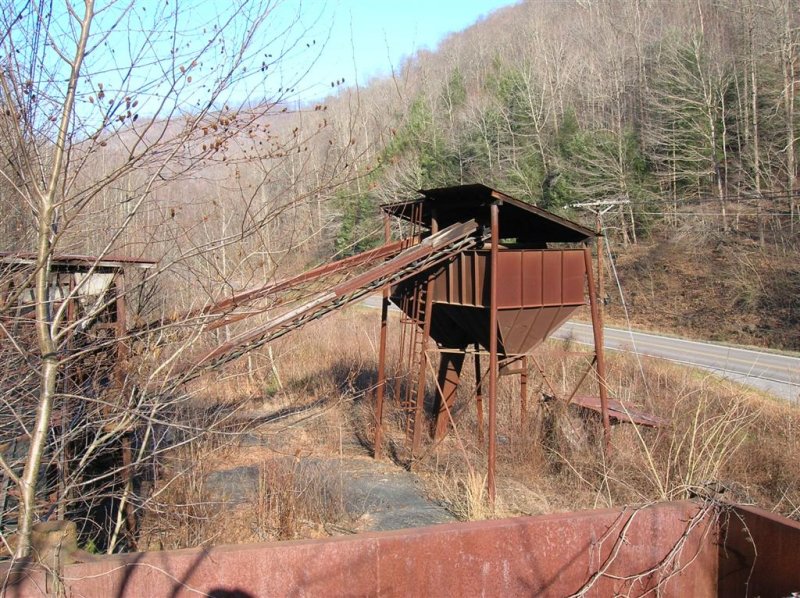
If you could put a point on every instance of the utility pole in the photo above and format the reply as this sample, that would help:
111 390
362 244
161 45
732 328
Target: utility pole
596 300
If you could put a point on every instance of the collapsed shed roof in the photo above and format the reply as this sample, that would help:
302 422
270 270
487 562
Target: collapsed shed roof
77 263
517 219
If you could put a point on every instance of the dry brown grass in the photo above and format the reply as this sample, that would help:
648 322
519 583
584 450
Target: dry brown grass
756 288
721 438
297 499
178 514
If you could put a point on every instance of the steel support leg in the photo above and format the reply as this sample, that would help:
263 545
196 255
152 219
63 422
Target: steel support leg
449 376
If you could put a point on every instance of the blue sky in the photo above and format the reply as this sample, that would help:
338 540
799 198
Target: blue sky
370 37
158 55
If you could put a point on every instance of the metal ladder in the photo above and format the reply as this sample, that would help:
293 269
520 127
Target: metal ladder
418 334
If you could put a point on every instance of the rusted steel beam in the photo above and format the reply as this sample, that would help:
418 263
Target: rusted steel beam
408 263
245 297
419 410
381 388
127 477
121 322
582 378
408 340
493 364
283 320
449 378
425 248
479 393
81 262
523 391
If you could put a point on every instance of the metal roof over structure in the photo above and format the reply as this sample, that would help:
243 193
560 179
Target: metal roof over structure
522 221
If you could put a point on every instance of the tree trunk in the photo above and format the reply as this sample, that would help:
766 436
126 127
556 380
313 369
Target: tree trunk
787 58
44 327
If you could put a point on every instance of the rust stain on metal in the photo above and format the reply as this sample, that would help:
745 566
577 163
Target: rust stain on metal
620 413
671 549
759 554
668 549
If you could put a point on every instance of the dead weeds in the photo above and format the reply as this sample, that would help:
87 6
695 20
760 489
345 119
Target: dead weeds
721 440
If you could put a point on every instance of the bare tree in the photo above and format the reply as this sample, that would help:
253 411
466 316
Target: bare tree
686 130
790 54
121 125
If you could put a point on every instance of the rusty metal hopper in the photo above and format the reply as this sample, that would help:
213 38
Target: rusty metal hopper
538 291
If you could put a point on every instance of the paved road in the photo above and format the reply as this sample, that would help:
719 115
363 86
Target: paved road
774 373
771 372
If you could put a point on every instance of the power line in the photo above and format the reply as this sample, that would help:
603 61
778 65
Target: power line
754 214
728 198
627 315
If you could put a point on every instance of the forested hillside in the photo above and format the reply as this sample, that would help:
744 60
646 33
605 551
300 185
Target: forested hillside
685 112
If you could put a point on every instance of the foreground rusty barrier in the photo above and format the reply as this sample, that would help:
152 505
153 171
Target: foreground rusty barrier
666 549
759 554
